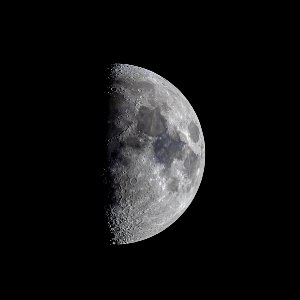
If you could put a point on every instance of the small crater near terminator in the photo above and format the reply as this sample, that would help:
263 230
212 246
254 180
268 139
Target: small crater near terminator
133 180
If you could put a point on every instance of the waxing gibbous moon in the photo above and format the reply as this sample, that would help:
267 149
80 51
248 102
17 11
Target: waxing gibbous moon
155 154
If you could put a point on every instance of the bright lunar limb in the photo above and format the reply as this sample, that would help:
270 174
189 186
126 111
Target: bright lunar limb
154 154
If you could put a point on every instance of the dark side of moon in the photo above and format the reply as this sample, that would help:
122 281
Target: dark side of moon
153 171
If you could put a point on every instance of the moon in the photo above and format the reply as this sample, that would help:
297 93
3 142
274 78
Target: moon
154 154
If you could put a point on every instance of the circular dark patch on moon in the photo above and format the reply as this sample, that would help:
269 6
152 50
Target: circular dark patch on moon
194 132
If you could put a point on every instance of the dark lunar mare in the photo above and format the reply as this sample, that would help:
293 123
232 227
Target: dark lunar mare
167 148
151 121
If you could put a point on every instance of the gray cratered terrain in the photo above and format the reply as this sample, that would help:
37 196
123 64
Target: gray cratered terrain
155 154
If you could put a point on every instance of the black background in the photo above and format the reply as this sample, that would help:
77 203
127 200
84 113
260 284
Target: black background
224 59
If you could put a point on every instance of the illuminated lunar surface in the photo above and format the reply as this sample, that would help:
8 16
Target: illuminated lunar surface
154 154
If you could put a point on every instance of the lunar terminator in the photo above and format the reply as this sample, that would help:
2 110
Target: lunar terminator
155 154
